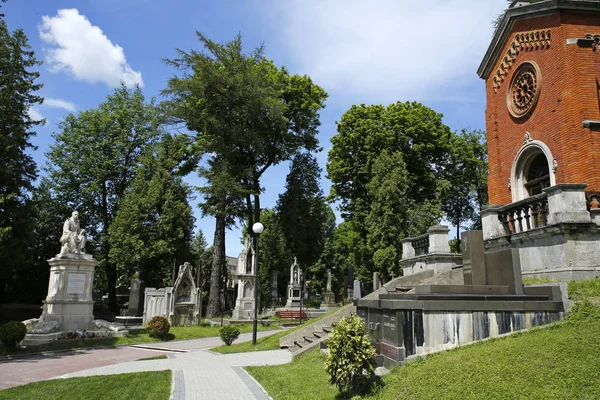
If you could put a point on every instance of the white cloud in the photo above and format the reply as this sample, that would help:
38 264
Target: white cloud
387 50
83 50
34 114
59 103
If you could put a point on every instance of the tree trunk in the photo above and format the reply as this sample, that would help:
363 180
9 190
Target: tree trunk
215 276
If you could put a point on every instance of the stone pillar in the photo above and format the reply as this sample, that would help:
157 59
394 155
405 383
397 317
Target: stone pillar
407 250
492 227
69 301
376 281
438 239
567 203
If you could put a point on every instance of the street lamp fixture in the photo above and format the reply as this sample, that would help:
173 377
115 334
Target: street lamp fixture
257 228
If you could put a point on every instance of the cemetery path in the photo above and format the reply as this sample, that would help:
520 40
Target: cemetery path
198 374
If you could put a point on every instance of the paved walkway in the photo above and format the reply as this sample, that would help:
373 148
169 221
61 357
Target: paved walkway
198 373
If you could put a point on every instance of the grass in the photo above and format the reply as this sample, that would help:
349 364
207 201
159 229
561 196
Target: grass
154 385
137 336
270 342
153 358
561 361
533 281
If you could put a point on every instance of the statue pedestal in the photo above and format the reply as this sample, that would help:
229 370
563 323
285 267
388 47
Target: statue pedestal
69 301
293 300
328 299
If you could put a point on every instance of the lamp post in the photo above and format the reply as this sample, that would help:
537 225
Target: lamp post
257 228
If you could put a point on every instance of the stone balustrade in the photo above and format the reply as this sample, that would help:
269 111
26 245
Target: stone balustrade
430 251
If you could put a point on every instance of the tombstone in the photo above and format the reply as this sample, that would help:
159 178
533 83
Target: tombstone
294 287
376 281
503 267
349 281
471 243
356 290
186 298
245 278
328 296
136 298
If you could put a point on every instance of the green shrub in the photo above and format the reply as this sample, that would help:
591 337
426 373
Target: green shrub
11 333
229 333
158 327
313 303
350 363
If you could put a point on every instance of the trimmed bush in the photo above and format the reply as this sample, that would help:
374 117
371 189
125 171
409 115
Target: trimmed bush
350 363
158 327
313 303
229 333
11 333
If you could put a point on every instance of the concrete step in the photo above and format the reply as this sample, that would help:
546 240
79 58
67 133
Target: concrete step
309 340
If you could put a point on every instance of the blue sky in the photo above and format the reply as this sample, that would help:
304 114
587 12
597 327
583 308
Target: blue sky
371 52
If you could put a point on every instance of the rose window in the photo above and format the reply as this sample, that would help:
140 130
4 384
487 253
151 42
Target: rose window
524 89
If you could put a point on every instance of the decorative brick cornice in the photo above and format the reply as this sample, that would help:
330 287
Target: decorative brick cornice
522 41
537 9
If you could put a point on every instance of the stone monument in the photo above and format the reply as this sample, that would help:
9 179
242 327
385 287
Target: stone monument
244 278
328 296
69 302
293 300
180 303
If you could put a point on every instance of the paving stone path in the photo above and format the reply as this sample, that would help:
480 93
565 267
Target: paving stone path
198 373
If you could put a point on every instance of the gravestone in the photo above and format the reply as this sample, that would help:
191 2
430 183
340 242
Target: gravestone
328 296
474 270
295 286
503 267
356 290
136 298
376 281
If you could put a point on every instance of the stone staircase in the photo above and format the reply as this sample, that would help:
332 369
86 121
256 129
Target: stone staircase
312 335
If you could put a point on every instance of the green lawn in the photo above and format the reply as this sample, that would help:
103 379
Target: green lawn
138 336
154 385
557 362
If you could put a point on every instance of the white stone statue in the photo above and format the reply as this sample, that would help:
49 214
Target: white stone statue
328 287
73 238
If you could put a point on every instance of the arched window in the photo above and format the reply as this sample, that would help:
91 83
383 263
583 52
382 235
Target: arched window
532 170
537 175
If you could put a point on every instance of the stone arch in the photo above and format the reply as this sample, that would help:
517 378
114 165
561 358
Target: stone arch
528 173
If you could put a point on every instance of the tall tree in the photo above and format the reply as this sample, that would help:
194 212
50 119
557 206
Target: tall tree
153 225
393 214
93 161
422 143
301 210
17 168
467 176
245 111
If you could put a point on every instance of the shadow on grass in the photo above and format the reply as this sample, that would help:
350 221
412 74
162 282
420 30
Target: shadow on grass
373 387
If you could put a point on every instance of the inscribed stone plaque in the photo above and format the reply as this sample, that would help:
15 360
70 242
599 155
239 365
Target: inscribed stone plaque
391 328
76 284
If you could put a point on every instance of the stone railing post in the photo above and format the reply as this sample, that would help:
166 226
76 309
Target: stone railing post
492 227
567 203
407 249
438 239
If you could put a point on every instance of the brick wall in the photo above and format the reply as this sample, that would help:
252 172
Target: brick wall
568 96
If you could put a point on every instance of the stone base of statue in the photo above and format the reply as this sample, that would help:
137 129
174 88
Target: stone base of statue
69 303
293 299
244 309
328 300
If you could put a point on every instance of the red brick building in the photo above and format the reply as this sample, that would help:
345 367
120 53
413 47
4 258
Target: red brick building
542 75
